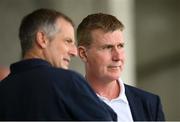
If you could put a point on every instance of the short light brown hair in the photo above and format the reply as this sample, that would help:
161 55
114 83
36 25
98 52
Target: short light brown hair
105 22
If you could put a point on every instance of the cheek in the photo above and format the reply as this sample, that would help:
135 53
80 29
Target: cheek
99 60
123 56
61 49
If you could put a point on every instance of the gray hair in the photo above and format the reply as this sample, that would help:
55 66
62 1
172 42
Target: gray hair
39 20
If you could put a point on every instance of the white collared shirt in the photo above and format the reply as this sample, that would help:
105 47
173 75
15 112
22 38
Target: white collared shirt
120 105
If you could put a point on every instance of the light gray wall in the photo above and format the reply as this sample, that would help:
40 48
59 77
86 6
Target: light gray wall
158 51
12 11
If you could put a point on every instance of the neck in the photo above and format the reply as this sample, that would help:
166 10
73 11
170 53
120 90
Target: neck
108 89
33 54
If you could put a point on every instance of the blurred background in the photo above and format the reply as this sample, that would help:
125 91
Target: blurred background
152 37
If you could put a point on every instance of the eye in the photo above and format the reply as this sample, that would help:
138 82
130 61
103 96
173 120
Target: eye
107 47
121 45
69 41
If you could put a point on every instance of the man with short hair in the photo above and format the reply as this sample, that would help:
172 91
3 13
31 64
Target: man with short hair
101 48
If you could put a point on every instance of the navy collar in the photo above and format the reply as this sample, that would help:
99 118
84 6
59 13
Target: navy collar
28 64
135 104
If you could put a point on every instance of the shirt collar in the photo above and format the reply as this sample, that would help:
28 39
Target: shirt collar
122 95
27 64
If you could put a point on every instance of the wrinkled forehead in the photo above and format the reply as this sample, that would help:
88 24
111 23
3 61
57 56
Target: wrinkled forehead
111 37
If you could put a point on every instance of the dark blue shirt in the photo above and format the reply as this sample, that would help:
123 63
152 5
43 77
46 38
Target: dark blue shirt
35 90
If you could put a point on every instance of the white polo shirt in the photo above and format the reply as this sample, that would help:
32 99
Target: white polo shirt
120 105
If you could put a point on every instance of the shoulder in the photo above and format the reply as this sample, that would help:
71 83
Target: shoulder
60 72
139 93
146 102
70 74
70 77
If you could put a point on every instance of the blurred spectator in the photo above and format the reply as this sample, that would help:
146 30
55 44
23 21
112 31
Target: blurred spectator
4 71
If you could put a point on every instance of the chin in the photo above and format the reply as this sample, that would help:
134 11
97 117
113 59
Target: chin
112 78
65 67
115 77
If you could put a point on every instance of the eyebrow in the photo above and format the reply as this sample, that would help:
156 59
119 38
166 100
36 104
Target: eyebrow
114 44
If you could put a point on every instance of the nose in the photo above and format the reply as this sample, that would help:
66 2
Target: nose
116 54
73 51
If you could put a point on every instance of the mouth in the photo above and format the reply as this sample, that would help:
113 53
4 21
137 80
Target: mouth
67 60
114 67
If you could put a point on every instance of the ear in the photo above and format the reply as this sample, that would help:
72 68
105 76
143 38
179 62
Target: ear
41 39
82 53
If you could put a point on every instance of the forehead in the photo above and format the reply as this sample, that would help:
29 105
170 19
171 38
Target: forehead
101 37
65 28
64 24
